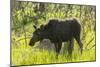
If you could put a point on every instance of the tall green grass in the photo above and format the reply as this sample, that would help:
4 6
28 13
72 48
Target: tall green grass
26 55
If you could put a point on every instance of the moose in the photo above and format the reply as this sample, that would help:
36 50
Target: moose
58 31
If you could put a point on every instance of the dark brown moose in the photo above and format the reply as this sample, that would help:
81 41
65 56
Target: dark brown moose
58 31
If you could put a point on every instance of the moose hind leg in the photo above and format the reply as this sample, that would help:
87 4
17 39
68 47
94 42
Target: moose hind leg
79 43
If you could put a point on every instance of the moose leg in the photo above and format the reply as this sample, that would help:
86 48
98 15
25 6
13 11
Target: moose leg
70 47
79 43
58 48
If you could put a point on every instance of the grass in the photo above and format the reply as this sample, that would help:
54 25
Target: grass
26 55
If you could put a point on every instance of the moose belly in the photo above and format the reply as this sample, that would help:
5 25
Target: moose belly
62 36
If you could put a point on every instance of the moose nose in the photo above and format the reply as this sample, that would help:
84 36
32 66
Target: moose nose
31 43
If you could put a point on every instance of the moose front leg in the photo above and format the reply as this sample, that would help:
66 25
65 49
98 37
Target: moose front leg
58 48
70 47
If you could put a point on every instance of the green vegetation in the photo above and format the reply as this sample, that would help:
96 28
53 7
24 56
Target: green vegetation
27 14
26 56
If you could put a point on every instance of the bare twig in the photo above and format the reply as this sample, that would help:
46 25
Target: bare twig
23 39
91 47
25 35
89 42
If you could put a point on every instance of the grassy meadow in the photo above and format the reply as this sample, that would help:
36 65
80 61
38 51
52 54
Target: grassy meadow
22 54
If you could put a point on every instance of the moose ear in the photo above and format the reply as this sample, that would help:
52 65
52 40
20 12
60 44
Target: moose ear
42 27
35 26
